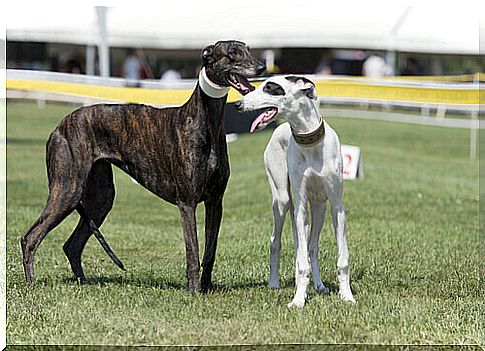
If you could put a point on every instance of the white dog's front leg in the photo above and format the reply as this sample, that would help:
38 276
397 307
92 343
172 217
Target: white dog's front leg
279 211
343 270
302 269
318 218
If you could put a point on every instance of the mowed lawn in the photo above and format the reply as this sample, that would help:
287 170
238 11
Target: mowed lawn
412 227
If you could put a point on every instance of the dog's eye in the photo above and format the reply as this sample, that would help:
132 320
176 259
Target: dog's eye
273 89
234 55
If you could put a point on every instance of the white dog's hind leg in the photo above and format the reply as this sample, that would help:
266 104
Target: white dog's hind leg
318 218
343 270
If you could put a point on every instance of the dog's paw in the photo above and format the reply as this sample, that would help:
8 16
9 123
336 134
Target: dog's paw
206 288
347 297
274 284
321 289
297 302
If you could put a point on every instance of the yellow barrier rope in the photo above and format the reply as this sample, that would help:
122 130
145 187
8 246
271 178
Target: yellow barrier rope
474 77
135 95
397 93
345 88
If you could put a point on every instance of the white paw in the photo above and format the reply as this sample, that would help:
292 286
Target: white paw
347 297
274 284
320 288
297 302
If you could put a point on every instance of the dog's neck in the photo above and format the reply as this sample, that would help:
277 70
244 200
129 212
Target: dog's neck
209 100
308 128
210 88
307 119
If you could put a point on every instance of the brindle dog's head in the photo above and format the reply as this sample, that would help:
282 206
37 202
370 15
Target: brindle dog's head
229 63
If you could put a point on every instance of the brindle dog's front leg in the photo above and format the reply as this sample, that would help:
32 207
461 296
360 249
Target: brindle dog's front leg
213 216
187 213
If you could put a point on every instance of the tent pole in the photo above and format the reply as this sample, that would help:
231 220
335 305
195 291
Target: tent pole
90 60
391 52
103 49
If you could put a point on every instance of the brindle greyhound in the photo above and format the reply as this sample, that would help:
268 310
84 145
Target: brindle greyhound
179 154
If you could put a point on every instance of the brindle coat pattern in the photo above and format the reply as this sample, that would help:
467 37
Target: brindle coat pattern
179 154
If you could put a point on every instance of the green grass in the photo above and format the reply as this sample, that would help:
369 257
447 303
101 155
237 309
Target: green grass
412 227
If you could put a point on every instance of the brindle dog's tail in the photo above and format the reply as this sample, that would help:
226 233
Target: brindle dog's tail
82 212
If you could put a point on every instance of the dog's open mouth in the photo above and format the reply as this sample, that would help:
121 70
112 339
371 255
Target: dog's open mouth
240 83
264 118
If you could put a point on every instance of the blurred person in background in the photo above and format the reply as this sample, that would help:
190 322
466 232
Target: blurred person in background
171 75
75 64
323 68
411 68
132 66
376 67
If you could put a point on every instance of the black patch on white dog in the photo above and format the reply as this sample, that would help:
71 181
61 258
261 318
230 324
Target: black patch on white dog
308 92
272 88
295 79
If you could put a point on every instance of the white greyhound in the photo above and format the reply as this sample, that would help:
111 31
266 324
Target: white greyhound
304 155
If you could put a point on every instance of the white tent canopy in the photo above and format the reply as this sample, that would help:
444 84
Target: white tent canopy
396 26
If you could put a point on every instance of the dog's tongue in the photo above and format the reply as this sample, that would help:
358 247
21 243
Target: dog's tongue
263 118
241 84
245 83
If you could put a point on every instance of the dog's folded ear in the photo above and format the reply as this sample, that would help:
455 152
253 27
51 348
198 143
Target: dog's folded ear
304 84
310 91
207 55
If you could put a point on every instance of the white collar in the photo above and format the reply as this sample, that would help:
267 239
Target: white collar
210 88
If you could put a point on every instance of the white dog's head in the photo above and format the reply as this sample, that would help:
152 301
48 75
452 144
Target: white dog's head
280 96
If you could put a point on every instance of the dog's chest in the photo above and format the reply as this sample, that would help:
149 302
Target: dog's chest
312 162
318 172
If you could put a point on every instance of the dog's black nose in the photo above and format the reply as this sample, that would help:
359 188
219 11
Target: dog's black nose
260 68
238 105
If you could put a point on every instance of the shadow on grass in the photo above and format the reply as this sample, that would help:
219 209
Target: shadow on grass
160 283
238 286
171 284
284 284
167 283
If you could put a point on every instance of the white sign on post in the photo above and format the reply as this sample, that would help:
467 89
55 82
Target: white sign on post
352 158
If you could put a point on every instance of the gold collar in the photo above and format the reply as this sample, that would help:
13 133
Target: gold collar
312 138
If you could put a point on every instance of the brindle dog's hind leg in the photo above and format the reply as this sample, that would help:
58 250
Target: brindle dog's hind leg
65 189
54 213
97 201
